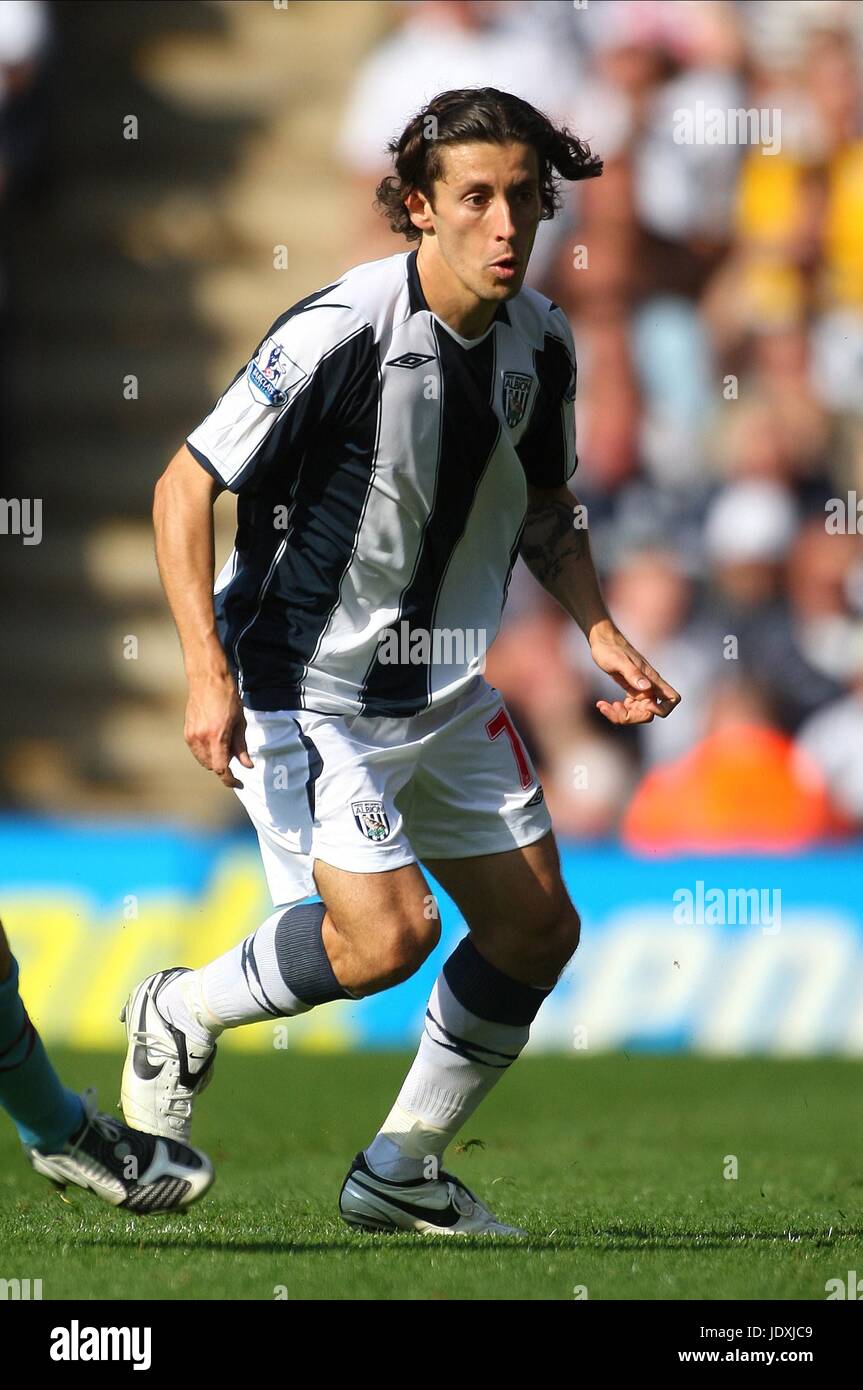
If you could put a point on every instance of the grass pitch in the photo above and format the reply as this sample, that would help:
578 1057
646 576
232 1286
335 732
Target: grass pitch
614 1164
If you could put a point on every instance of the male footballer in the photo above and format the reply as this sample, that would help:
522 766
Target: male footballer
396 440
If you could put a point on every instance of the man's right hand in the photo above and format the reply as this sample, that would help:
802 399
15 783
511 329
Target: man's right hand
215 728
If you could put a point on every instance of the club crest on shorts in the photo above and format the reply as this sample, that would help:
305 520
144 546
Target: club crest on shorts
516 389
272 373
371 819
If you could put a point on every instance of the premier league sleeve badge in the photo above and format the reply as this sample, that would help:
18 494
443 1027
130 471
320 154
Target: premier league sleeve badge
272 374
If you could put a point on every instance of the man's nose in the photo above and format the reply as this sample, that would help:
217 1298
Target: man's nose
504 221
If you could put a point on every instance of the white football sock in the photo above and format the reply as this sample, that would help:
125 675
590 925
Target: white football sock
279 971
462 1055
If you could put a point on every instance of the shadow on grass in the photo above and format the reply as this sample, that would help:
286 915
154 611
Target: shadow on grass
637 1239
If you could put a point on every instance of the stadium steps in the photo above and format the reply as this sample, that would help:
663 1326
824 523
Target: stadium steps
151 257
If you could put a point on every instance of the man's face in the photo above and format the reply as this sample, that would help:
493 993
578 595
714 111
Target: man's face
486 211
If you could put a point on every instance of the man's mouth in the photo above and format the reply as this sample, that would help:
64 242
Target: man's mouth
506 266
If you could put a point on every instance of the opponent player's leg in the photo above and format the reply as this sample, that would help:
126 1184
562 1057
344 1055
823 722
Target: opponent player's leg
64 1136
43 1110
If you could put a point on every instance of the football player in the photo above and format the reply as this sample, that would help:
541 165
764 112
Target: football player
396 440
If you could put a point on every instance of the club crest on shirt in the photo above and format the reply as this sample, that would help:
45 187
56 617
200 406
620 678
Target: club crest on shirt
371 819
270 373
516 389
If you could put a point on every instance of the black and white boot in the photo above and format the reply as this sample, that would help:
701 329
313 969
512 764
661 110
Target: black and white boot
139 1172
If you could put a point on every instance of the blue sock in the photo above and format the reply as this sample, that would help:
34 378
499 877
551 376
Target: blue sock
44 1112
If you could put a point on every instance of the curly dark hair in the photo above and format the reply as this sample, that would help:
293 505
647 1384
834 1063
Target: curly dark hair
478 114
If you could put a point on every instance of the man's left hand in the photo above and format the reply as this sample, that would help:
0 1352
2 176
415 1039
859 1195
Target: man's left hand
647 694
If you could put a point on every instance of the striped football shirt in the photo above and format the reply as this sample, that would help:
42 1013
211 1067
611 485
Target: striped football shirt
380 462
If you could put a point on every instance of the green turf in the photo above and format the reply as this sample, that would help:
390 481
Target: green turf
614 1164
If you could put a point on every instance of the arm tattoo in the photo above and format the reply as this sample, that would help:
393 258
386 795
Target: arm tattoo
550 540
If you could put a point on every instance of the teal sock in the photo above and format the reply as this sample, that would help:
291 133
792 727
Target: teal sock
43 1111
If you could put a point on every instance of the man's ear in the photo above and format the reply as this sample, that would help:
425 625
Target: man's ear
419 210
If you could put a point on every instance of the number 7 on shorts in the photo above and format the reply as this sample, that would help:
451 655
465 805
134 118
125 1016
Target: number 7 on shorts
501 723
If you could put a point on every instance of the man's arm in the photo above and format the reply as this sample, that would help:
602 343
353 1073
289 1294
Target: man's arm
556 549
185 552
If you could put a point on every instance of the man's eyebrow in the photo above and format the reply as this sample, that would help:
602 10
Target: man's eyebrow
484 185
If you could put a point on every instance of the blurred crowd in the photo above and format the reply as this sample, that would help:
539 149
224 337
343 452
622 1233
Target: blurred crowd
715 292
25 46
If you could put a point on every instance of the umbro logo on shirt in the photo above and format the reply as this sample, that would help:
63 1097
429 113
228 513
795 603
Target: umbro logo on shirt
409 360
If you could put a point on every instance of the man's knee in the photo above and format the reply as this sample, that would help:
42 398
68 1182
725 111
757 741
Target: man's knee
570 929
404 940
562 934
552 937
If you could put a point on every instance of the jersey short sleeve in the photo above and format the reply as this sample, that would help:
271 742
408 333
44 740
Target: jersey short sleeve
547 449
294 384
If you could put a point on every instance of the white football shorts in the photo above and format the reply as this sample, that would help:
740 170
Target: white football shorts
373 793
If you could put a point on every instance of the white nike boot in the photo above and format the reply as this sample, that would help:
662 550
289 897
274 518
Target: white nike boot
165 1071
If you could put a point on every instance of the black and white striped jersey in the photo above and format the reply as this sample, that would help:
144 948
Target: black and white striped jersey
380 463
